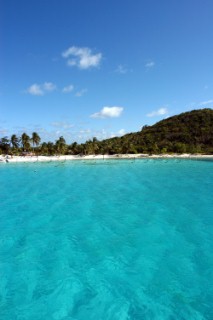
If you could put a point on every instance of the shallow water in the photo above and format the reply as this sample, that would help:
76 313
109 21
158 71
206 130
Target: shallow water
116 239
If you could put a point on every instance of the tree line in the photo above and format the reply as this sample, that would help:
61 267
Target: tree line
190 132
24 144
16 145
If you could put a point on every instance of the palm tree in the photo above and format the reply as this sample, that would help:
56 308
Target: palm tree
95 145
14 140
88 147
44 148
73 148
5 145
61 145
35 139
25 140
51 148
106 147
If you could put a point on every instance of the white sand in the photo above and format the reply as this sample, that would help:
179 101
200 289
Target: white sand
13 159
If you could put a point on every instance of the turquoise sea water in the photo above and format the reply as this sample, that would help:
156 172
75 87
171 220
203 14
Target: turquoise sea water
106 240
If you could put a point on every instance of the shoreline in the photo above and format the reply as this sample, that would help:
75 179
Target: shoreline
16 159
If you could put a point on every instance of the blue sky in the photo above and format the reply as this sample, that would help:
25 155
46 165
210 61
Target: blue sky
102 68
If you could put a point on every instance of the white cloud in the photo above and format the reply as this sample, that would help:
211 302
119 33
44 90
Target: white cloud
205 103
40 89
121 132
81 93
121 69
49 86
62 125
3 131
85 131
82 58
68 89
35 90
150 64
159 112
108 112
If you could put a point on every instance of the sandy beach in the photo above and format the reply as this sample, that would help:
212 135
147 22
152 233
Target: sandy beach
17 159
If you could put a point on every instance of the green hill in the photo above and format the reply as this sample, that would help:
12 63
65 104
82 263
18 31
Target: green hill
190 132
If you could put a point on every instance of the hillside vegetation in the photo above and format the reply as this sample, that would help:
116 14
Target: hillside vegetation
189 132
